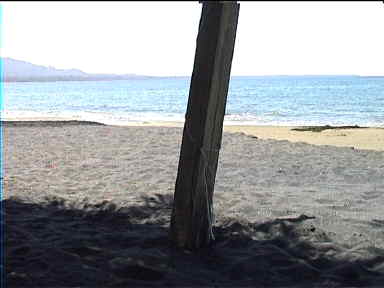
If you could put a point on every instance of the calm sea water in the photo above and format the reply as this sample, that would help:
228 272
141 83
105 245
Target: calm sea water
342 100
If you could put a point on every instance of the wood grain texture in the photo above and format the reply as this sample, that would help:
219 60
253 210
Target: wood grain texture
192 215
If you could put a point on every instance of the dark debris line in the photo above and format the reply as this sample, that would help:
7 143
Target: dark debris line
325 127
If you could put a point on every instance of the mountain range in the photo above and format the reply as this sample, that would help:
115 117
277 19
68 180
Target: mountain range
22 71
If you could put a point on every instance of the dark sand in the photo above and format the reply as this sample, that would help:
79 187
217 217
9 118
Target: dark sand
89 206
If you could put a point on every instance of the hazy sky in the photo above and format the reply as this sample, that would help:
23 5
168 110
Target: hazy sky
159 38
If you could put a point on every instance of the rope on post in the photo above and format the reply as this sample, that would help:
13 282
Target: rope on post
206 180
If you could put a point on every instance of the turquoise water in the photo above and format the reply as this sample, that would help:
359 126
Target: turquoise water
273 100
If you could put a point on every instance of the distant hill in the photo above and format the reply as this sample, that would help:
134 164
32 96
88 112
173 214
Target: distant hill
22 71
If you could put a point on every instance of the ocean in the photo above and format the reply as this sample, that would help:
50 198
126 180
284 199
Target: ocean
261 100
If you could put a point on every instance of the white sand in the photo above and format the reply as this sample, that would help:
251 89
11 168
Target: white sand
359 138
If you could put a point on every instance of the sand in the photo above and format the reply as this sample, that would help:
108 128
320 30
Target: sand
89 205
360 138
370 138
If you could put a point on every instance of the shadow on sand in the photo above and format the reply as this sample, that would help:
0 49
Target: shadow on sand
60 244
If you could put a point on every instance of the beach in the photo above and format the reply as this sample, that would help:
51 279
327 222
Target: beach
89 205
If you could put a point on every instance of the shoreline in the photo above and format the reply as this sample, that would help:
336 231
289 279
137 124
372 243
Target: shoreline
366 138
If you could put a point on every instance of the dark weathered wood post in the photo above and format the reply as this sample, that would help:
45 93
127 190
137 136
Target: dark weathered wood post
192 214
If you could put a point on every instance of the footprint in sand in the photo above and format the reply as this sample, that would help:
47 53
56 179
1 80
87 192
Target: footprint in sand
373 194
324 201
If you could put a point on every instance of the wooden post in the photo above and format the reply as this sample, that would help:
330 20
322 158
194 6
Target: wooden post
192 214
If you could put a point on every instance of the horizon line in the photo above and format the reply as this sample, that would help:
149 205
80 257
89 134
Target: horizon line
175 76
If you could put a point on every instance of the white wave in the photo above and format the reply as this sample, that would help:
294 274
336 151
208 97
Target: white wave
126 118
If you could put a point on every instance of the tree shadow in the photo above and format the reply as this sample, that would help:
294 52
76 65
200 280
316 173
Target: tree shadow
57 243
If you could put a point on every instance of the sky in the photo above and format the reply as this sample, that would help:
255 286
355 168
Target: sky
159 38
